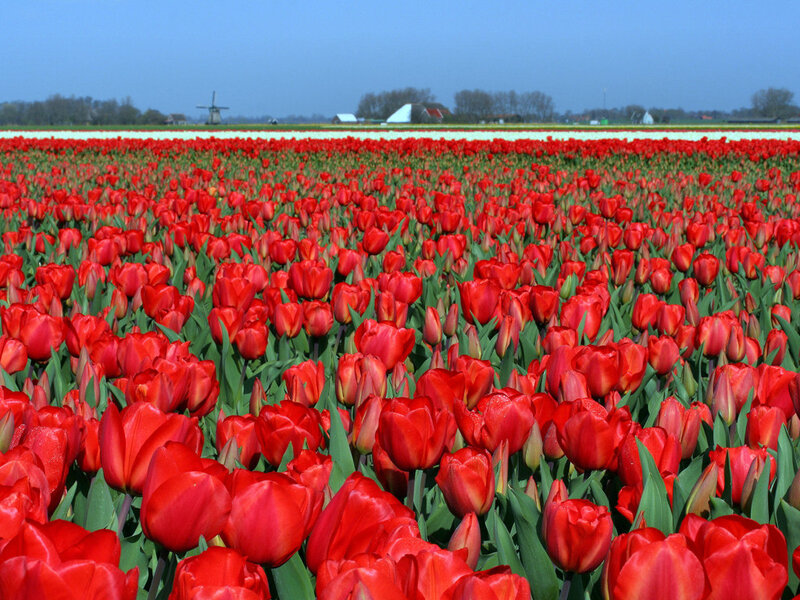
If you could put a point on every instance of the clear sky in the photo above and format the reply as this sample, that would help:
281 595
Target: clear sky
302 57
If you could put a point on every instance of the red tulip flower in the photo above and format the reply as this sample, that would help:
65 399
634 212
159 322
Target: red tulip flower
184 497
741 558
287 423
270 516
386 341
62 560
129 440
645 564
359 518
219 572
414 433
577 533
466 478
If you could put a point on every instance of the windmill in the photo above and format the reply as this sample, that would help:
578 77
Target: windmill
214 115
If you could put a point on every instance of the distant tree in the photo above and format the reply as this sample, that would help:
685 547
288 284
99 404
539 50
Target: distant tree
473 105
383 104
774 103
152 117
536 106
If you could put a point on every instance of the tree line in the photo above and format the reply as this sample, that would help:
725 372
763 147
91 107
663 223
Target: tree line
470 105
481 106
59 110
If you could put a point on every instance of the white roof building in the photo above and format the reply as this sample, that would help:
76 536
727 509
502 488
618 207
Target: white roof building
345 118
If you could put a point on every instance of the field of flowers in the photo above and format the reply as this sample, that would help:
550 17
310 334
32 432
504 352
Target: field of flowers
407 369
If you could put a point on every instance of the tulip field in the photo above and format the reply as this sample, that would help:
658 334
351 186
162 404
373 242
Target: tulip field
408 369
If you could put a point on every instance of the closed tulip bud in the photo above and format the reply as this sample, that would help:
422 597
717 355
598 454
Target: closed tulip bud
6 431
473 343
451 321
793 497
258 398
775 347
432 329
689 382
533 448
627 291
500 464
735 349
703 489
507 336
568 287
229 455
467 536
532 492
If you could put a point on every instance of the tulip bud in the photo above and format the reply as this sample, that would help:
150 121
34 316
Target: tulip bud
6 431
500 463
533 448
473 343
720 396
258 398
704 488
689 382
532 491
749 485
627 291
432 329
504 336
229 454
794 491
467 536
451 321
568 287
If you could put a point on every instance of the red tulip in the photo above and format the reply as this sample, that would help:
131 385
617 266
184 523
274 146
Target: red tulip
317 318
304 382
645 564
365 574
478 377
494 584
480 300
359 518
467 536
586 309
42 334
63 560
288 319
466 478
183 498
129 440
741 558
270 516
706 267
502 416
310 279
577 533
284 424
414 433
543 302
745 463
219 573
662 354
386 341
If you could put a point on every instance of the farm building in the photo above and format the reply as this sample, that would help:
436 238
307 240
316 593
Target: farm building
430 112
344 118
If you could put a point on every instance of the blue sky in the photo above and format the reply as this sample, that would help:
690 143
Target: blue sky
302 57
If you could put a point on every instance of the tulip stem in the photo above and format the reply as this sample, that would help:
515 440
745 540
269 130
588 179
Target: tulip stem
157 575
565 590
416 483
123 514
